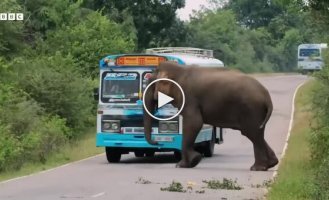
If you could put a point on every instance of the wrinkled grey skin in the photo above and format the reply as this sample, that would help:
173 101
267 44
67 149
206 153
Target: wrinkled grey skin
219 97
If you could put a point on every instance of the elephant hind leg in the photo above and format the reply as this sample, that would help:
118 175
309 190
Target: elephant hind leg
264 155
273 160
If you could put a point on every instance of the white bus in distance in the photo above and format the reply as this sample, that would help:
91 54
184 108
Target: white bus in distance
310 57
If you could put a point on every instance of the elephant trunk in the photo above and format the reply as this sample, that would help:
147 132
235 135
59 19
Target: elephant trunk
150 103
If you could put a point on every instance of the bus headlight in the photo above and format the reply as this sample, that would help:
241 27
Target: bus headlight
111 126
168 127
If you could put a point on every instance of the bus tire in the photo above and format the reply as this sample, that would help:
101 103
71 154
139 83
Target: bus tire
112 155
139 154
149 153
210 145
178 155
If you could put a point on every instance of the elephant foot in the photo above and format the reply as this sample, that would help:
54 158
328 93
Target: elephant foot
194 161
182 164
258 167
273 162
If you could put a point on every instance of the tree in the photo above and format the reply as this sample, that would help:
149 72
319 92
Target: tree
151 17
45 15
175 35
320 10
11 32
255 13
57 85
238 47
88 41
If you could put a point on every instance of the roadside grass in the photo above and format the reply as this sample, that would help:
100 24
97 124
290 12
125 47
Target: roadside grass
81 148
295 173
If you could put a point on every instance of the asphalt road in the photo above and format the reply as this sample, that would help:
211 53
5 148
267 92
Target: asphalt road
95 179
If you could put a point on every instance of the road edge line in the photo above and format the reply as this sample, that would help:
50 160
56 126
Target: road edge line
50 169
275 173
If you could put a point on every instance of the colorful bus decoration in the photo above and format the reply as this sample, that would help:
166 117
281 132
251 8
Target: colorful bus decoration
120 128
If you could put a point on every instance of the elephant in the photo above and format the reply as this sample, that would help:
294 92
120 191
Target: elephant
216 96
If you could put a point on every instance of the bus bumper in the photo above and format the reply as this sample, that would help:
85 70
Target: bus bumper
167 141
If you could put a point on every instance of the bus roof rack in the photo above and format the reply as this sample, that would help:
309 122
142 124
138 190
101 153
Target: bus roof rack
181 50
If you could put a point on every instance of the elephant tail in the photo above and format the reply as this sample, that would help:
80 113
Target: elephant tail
269 108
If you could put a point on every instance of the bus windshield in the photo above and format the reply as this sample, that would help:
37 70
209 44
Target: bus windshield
120 87
309 52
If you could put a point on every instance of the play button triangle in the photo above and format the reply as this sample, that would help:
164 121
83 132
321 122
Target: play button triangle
163 99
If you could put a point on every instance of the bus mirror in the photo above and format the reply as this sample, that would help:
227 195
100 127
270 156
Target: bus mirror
96 93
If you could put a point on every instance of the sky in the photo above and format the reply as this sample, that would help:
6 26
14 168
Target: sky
190 5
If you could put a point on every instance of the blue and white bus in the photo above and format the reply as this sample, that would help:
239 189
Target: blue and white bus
310 57
120 128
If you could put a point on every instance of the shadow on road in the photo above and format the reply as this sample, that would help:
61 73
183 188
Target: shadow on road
158 158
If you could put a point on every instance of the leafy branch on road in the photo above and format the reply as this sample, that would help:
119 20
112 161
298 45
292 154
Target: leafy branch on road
227 184
174 187
141 180
178 187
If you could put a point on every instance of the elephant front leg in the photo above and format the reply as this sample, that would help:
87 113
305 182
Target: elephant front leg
191 127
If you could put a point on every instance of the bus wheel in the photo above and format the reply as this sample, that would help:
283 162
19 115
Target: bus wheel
112 155
210 145
149 154
139 154
178 155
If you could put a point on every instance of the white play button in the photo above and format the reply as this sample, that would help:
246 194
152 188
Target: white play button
163 99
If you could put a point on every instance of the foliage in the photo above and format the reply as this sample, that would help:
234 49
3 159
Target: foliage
11 149
294 177
320 11
255 13
320 135
88 41
236 46
151 17
56 84
254 35
50 134
25 138
11 36
48 67
142 180
174 187
226 184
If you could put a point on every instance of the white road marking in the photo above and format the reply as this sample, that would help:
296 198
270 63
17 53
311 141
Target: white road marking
48 170
275 173
98 195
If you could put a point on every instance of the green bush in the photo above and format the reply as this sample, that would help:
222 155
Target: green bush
320 135
48 136
11 34
87 41
16 111
57 85
26 132
10 150
322 180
